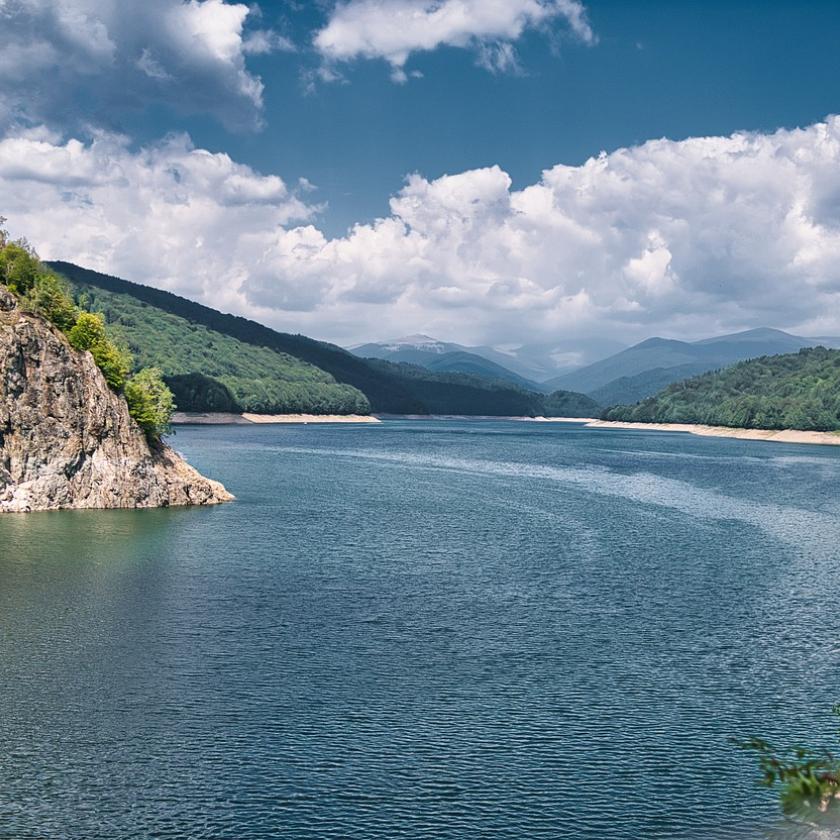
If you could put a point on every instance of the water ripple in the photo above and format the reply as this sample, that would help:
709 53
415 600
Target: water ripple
424 631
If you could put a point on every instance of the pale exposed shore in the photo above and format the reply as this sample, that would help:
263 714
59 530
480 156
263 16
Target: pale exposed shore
584 420
468 417
773 435
226 419
311 418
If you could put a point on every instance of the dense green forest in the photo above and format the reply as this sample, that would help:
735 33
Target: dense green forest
570 404
631 389
390 388
209 371
793 391
460 393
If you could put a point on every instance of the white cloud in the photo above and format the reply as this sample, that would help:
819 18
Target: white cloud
394 29
169 214
264 41
680 238
59 58
498 58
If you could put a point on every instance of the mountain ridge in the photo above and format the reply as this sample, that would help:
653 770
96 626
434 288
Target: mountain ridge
640 370
390 388
786 391
533 363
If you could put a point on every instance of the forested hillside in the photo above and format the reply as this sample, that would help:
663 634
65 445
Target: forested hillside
390 388
462 362
641 371
793 391
209 371
570 404
631 389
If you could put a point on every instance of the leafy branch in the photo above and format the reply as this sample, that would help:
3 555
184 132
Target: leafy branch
806 778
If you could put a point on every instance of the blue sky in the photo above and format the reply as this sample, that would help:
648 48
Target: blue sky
226 151
660 69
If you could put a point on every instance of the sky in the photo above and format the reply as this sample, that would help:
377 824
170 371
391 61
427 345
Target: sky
484 171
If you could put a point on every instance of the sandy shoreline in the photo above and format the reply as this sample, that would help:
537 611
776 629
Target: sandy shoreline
772 435
585 420
222 419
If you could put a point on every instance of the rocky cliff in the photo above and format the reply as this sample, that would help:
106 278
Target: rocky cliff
67 440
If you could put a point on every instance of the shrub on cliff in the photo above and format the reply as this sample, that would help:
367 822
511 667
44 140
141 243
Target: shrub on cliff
43 292
19 267
150 402
89 333
38 289
50 297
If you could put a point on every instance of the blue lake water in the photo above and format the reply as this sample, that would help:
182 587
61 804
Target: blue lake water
424 630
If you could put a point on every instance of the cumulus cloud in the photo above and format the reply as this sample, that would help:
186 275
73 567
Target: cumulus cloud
680 238
169 214
62 58
394 29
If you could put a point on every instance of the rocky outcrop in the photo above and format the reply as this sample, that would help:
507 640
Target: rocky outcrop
67 440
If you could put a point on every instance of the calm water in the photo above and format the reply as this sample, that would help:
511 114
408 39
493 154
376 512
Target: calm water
424 630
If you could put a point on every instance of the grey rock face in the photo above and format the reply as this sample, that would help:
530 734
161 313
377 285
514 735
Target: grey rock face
67 440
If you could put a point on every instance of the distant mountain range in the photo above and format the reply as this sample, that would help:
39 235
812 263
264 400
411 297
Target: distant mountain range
446 357
527 365
624 377
644 369
214 361
218 362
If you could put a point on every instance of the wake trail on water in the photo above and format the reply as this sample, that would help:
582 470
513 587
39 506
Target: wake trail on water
795 526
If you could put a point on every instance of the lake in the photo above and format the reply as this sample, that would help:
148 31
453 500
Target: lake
424 629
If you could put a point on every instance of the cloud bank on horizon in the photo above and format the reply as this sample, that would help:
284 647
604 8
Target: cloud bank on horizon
681 238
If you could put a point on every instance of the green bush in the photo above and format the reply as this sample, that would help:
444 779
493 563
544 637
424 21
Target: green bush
19 267
150 402
114 362
50 296
89 333
38 288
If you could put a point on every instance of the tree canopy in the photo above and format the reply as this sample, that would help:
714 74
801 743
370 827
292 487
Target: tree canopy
792 391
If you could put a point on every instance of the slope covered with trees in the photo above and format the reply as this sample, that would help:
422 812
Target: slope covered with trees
631 389
570 404
210 371
793 391
642 370
390 388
